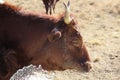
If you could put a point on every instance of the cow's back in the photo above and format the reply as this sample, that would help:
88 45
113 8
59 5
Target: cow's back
22 31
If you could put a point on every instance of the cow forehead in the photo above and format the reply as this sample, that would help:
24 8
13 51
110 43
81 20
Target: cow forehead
62 25
71 27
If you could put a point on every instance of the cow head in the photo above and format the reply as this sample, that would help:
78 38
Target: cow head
67 30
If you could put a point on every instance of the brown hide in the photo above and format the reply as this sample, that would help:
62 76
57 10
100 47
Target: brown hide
35 39
50 5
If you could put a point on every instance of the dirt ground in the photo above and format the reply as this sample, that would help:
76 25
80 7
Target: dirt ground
99 21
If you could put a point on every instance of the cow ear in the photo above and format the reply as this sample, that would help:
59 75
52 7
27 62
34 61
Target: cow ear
67 18
54 35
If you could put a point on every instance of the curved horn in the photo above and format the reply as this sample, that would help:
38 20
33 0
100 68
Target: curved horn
67 18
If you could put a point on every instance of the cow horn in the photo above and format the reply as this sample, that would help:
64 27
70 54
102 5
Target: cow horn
67 18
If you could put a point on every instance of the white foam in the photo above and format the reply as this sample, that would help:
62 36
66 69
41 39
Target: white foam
1 1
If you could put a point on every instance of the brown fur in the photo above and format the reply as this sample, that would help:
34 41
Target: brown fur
50 5
27 38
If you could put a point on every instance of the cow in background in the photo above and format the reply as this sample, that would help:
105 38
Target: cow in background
29 38
50 5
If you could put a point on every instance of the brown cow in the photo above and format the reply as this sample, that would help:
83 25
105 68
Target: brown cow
27 38
50 5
